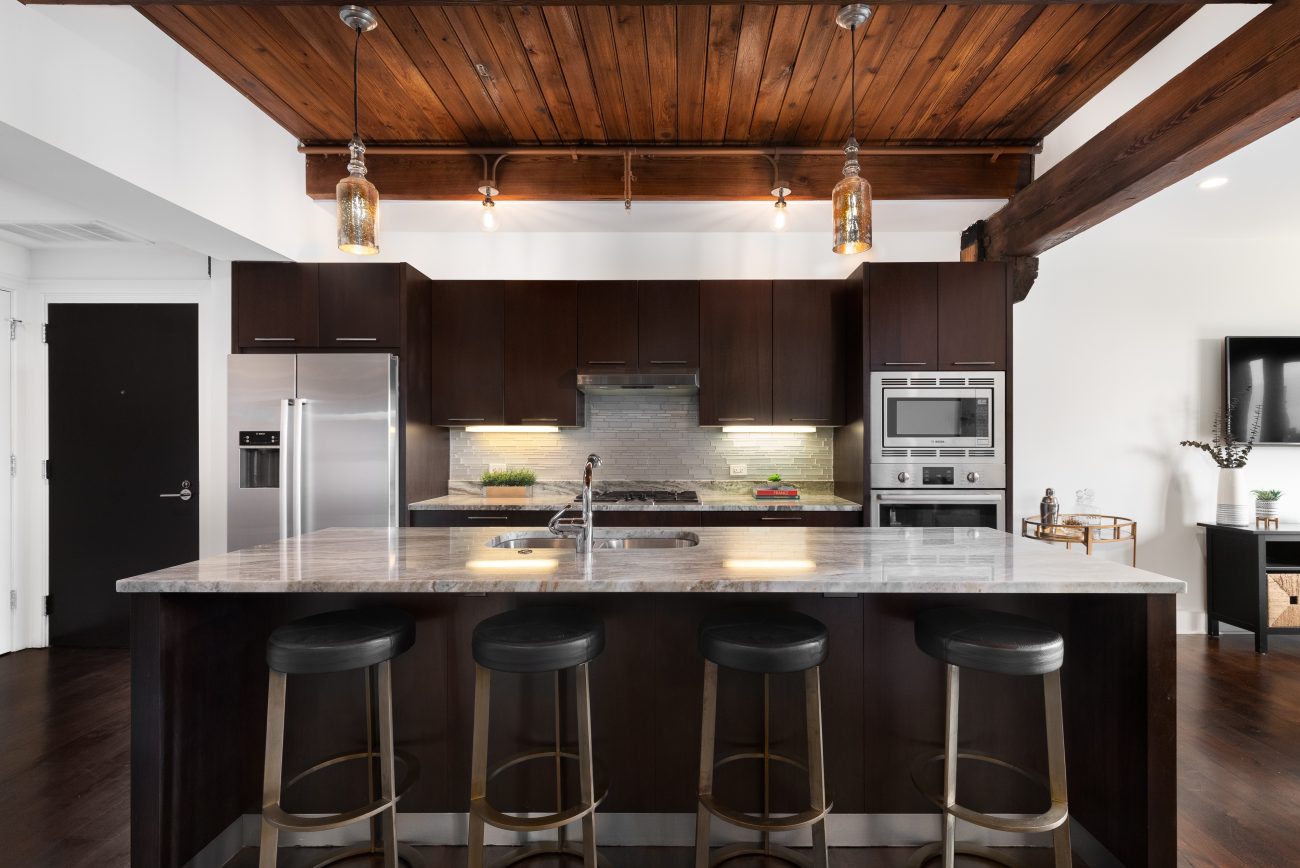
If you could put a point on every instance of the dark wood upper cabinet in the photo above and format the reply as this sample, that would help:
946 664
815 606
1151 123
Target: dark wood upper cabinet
360 306
275 305
541 354
809 327
669 324
468 353
972 316
736 352
902 314
607 326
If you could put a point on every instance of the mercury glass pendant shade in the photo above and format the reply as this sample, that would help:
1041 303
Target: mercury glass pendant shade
358 206
851 205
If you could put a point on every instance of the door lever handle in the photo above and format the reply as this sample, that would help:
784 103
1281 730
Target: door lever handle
184 494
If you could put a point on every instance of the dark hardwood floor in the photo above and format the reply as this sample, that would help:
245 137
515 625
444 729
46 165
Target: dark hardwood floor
64 763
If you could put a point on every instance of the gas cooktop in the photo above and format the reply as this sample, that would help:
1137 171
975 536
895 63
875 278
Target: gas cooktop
640 496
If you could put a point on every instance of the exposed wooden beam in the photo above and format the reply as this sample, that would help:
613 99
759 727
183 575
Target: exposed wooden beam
1243 88
960 176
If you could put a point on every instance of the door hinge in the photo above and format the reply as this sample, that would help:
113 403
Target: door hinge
45 469
13 465
45 333
13 328
47 605
13 600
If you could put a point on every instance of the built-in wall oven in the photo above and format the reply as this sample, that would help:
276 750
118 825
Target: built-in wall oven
937 449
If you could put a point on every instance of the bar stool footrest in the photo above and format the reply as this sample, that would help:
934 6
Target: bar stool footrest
405 853
282 819
789 855
804 818
1050 819
484 809
571 850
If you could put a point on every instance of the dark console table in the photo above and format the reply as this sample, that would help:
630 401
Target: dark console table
1252 579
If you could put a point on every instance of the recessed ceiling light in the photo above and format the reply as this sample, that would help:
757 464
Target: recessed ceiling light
1211 183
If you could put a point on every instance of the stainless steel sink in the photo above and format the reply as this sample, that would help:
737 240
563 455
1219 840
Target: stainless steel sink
528 540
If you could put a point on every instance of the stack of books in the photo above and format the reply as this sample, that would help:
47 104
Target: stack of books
776 492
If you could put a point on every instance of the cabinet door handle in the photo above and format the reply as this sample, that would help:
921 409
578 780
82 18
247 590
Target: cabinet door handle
975 363
356 339
484 517
794 419
609 362
668 362
463 419
275 339
893 364
735 418
539 419
782 518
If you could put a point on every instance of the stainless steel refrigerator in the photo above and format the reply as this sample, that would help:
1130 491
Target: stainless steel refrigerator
313 443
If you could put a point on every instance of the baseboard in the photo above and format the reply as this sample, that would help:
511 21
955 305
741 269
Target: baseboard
1191 622
647 830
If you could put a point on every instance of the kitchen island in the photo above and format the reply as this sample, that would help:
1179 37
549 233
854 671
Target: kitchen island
199 679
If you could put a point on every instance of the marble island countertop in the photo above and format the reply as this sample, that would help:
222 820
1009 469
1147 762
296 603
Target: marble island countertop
773 560
709 501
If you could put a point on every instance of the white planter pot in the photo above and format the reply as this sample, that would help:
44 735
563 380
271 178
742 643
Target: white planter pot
1236 504
1266 508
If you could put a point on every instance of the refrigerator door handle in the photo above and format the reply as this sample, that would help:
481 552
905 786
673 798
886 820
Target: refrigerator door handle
287 450
299 446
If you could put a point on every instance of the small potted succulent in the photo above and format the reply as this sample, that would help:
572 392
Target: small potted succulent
1266 502
517 482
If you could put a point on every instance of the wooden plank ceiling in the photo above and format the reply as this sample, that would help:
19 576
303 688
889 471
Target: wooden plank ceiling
687 75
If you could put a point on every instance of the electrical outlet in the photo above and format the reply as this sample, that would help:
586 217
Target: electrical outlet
739 469
497 468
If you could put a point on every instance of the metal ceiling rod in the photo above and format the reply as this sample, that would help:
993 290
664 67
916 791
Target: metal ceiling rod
677 151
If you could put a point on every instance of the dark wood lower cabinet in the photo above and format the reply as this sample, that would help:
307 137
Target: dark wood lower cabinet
480 517
783 518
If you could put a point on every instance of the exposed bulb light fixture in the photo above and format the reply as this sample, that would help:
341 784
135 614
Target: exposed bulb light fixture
851 198
780 189
1212 183
356 198
488 215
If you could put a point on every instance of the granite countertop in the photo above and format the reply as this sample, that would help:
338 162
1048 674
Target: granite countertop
708 501
775 560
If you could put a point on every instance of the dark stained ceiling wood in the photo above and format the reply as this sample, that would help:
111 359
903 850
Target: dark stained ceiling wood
753 74
1243 88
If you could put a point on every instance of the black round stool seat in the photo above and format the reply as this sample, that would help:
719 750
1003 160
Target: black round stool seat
764 640
338 641
990 641
538 639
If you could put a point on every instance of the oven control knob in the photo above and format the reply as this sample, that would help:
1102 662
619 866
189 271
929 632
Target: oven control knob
972 477
903 476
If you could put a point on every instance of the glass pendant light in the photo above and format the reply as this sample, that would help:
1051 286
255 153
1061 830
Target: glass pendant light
851 198
357 198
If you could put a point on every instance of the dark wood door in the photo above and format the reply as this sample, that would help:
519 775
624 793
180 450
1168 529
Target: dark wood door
607 326
808 338
124 440
973 306
275 305
468 353
541 371
735 352
669 324
360 306
902 316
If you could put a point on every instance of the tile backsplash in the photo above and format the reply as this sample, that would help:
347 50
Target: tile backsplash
645 437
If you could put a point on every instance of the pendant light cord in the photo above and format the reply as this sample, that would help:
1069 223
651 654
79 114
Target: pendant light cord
356 95
853 83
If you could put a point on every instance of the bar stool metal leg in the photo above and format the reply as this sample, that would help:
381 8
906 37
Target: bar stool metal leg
816 767
950 748
479 769
586 769
273 766
387 770
707 734
1056 764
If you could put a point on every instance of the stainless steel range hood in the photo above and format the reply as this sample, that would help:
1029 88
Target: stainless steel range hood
656 383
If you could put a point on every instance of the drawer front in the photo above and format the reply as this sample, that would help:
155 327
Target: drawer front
1283 600
647 518
479 518
783 518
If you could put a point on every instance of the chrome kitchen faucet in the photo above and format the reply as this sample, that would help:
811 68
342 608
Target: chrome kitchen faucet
579 528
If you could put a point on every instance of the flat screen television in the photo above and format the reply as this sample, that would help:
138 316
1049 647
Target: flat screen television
1262 374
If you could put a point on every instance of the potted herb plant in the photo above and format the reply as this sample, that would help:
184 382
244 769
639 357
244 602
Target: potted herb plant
508 483
1230 454
1266 502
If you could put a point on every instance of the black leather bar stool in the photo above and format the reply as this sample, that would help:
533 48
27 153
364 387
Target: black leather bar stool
770 642
366 639
1008 645
533 640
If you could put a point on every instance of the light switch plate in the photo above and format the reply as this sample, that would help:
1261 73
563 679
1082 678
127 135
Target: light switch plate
739 469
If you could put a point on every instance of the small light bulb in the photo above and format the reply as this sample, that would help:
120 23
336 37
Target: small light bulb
778 218
489 216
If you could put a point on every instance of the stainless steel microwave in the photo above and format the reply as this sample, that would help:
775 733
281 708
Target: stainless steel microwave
937 415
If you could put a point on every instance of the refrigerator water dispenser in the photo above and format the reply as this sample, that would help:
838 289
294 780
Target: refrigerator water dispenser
259 459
